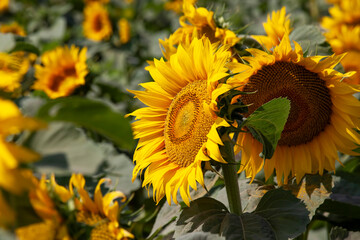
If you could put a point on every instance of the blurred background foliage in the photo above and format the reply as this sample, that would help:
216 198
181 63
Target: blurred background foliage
88 132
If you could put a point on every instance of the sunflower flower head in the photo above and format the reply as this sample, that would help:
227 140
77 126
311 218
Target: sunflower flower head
62 70
199 22
276 27
96 25
97 1
14 28
343 34
15 179
101 213
52 225
324 114
177 131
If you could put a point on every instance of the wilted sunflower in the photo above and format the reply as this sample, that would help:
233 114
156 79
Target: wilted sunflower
96 25
324 114
14 178
4 5
124 30
276 27
198 21
177 5
63 69
14 28
177 132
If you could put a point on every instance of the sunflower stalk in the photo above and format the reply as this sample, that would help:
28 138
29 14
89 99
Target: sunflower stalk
230 176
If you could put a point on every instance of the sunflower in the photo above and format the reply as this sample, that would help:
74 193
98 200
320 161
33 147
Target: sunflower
324 114
276 27
62 71
343 34
346 13
177 5
53 225
14 28
11 71
177 131
96 25
14 178
199 22
124 30
4 5
98 213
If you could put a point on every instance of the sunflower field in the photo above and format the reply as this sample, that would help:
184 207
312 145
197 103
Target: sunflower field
179 119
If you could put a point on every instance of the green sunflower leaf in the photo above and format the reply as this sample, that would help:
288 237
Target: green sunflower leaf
91 114
26 47
267 122
280 208
276 209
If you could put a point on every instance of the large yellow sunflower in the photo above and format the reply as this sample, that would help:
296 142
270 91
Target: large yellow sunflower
178 129
14 28
324 114
96 25
276 27
14 178
199 22
62 70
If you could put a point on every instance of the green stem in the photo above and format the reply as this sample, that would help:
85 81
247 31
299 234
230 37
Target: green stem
231 178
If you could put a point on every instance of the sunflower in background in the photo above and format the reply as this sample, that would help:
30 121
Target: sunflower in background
124 30
96 25
276 27
343 34
177 131
12 70
324 114
198 22
14 28
177 5
100 214
63 69
53 224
